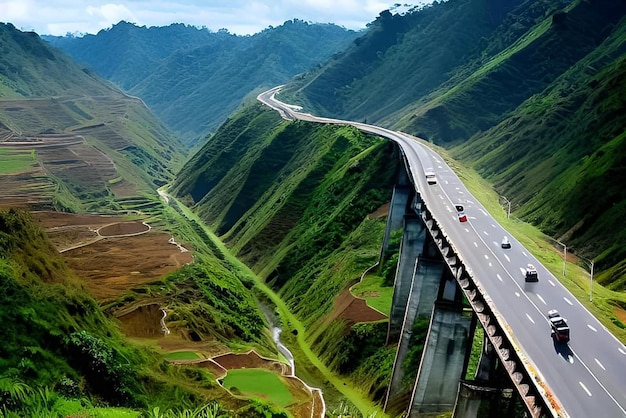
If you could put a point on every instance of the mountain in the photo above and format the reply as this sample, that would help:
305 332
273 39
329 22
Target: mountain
79 140
303 205
193 78
525 91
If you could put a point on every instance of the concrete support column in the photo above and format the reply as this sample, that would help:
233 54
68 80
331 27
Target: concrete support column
442 362
424 289
397 209
487 361
413 237
470 398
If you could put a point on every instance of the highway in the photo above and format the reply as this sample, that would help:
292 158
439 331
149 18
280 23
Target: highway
587 377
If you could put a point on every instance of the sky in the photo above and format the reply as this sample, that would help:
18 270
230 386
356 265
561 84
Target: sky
241 17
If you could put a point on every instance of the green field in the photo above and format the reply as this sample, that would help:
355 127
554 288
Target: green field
258 383
375 294
182 355
15 161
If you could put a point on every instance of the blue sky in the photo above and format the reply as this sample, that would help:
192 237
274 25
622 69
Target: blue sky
58 17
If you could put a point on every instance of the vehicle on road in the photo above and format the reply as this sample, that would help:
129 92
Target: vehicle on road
431 178
560 329
462 217
505 242
530 274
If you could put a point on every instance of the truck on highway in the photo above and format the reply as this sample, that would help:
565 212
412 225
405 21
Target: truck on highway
531 274
560 329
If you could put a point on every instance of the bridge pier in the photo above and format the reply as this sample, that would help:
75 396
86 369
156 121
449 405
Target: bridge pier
423 294
398 207
470 398
443 361
413 238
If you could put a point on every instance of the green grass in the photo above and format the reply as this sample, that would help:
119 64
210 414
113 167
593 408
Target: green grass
258 383
376 295
182 355
15 161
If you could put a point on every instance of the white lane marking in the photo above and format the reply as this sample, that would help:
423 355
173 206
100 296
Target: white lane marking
599 383
446 181
495 243
472 217
441 197
457 188
475 245
550 281
523 270
486 233
499 277
469 201
493 226
592 328
525 255
486 257
449 209
507 258
584 388
466 230
541 299
517 294
621 350
529 318
567 300
484 213
490 264
600 364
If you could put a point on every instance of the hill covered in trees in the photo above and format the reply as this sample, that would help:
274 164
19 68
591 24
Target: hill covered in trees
194 78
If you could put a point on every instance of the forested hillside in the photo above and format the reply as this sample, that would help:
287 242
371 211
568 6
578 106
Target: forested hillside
297 202
526 92
194 78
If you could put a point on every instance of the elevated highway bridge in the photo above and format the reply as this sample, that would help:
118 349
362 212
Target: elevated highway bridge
444 261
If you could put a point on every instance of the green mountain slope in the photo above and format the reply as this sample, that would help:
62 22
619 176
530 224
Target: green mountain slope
533 102
92 143
293 201
193 79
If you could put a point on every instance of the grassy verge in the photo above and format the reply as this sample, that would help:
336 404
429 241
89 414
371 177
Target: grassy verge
258 383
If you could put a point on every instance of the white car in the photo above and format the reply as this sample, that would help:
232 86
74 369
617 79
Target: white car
505 242
431 178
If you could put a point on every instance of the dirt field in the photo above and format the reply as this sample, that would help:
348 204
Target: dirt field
111 254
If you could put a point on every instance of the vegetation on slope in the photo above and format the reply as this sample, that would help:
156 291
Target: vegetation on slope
532 103
178 68
95 144
291 199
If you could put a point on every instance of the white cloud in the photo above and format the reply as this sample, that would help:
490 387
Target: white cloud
57 17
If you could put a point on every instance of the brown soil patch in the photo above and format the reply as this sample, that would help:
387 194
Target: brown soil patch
380 212
353 310
143 322
123 228
620 314
112 266
249 360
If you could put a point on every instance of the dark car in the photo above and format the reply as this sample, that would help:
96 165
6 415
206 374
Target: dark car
560 329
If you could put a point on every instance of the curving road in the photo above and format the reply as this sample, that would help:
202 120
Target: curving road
587 376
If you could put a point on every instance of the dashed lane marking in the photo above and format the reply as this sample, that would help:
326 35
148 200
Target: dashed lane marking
529 318
499 277
507 258
541 299
592 328
517 294
551 282
568 301
584 388
600 364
